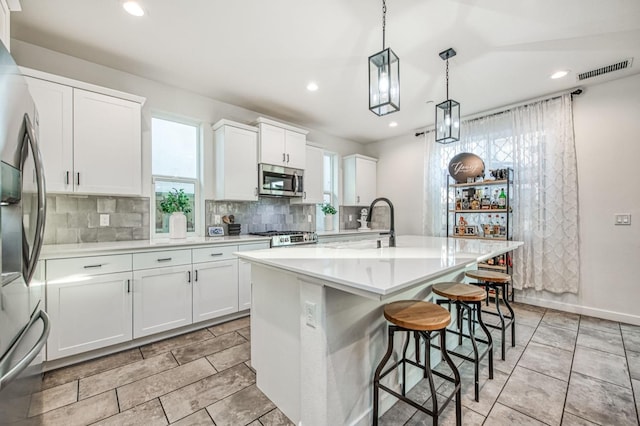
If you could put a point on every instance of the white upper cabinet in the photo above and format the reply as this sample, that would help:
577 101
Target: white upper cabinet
281 144
359 181
313 177
90 141
5 24
107 144
55 117
236 161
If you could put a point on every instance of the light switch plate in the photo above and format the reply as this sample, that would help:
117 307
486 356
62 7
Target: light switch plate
622 219
104 220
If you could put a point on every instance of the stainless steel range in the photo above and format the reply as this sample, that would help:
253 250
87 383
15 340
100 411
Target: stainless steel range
289 238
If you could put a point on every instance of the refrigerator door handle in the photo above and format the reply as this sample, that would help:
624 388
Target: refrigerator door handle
42 199
24 362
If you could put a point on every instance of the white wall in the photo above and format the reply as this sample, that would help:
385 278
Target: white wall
161 99
401 165
607 132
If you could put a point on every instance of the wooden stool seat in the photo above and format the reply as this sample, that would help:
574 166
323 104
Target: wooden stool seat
459 291
493 276
417 315
423 320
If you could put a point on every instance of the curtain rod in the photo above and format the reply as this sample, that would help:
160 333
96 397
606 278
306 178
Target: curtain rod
497 111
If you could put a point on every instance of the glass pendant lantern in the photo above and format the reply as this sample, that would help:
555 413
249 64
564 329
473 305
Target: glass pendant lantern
448 112
384 77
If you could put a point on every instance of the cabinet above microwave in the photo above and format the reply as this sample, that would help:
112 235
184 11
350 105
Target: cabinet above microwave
280 144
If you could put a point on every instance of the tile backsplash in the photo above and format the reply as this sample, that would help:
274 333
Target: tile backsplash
76 219
266 214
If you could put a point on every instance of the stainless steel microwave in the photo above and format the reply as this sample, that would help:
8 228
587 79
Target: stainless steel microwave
278 181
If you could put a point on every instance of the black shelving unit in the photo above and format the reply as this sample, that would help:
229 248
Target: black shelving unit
477 219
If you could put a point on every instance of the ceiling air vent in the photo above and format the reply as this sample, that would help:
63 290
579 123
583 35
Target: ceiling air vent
606 69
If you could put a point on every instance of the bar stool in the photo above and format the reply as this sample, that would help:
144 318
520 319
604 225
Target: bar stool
422 319
468 298
499 282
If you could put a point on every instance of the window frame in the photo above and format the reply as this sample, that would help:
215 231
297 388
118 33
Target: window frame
198 208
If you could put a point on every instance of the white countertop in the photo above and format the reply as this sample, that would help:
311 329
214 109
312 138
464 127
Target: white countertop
361 267
53 251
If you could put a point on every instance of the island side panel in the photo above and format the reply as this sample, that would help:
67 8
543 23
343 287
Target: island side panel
356 342
275 337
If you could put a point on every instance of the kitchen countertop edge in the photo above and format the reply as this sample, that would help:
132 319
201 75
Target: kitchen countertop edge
57 251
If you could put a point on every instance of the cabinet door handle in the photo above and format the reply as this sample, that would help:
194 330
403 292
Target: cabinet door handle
188 276
66 179
196 276
128 286
78 175
164 259
287 158
99 265
284 156
216 254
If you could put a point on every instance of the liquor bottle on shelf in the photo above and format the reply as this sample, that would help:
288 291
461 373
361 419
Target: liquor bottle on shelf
488 228
475 203
494 200
465 204
485 201
458 201
502 199
503 227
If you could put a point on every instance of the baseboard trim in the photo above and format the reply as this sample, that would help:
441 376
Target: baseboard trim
579 309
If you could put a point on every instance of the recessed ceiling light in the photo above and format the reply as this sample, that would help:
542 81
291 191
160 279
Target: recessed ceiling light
393 124
312 86
133 8
559 74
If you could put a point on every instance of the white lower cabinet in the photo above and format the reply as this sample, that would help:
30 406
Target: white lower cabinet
215 289
161 299
88 314
244 285
244 275
99 301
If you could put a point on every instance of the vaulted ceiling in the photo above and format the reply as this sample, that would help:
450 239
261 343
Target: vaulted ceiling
261 54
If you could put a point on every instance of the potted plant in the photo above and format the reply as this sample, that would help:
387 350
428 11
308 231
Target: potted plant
176 203
328 211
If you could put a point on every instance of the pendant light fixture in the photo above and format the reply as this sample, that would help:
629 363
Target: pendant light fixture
384 77
448 112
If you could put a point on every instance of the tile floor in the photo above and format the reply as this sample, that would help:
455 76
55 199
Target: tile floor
564 370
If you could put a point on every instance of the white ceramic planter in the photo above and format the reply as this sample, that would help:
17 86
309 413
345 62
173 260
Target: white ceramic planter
177 225
328 222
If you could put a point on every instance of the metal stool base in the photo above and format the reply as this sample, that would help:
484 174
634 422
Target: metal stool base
436 410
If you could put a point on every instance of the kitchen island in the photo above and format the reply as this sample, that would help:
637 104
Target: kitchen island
317 330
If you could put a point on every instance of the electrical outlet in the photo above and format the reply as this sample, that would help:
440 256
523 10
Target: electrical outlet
310 314
217 219
309 218
104 220
350 217
622 219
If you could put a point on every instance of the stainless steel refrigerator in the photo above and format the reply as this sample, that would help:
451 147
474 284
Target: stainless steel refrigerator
24 325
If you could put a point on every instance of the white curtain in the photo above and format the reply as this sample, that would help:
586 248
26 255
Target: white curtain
537 141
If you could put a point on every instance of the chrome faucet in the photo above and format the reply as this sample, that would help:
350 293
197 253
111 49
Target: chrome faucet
392 232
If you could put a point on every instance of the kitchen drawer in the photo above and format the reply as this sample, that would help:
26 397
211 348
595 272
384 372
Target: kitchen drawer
94 265
214 253
157 259
254 246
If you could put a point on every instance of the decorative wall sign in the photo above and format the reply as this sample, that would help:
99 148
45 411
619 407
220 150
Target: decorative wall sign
466 165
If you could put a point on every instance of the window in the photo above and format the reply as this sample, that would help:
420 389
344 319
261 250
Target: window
329 187
174 165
